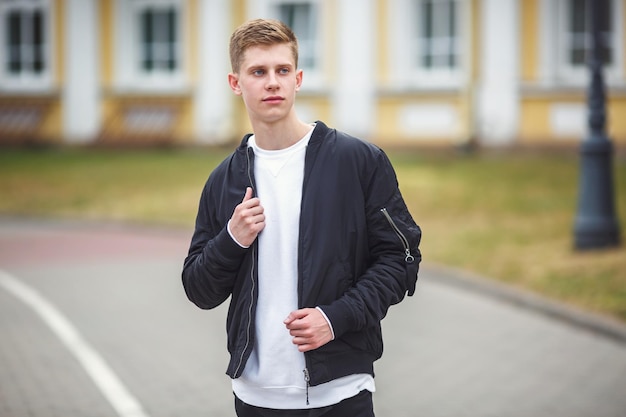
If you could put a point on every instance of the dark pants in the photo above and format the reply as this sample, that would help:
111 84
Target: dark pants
360 405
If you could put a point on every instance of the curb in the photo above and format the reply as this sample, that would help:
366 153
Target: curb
598 324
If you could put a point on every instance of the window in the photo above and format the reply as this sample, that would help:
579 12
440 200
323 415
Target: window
301 18
578 33
437 32
158 46
426 43
149 45
565 42
25 43
567 27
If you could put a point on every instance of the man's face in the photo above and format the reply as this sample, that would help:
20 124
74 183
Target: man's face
267 81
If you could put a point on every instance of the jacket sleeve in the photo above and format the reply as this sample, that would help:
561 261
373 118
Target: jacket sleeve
394 255
213 261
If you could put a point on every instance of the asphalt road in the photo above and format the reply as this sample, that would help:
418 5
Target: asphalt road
94 322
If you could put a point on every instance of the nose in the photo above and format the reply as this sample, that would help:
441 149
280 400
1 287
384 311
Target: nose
272 81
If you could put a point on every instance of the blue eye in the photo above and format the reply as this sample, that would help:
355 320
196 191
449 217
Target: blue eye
258 72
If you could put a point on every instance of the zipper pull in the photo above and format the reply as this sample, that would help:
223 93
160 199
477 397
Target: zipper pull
409 259
307 378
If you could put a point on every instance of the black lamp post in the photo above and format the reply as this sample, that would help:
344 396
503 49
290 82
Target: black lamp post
596 225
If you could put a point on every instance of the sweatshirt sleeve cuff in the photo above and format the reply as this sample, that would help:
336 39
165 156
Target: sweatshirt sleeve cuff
327 321
233 237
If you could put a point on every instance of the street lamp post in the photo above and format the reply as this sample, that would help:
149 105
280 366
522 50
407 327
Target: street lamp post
596 225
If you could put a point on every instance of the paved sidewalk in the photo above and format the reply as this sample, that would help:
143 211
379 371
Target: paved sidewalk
460 347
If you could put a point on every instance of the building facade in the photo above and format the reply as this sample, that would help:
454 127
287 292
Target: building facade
397 72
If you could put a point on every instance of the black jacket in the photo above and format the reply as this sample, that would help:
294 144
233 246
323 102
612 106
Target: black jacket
358 251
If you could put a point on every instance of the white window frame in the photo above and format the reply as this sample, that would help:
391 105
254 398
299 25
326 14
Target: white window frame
307 47
555 65
406 49
129 72
28 81
313 76
579 73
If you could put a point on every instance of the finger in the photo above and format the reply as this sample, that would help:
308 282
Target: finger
305 347
300 333
295 315
248 195
301 340
290 318
252 211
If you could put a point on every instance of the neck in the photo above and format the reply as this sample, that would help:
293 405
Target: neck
279 135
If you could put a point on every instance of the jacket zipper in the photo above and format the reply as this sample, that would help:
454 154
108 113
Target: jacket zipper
245 348
307 379
248 329
405 242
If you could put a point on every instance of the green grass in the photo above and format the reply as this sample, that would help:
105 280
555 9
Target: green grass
146 186
508 216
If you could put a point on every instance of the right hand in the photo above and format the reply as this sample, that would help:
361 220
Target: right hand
248 219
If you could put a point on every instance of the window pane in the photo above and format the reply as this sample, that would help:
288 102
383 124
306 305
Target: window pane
38 42
579 27
14 41
606 37
159 45
453 35
171 18
14 28
577 16
159 37
146 40
427 36
300 18
438 35
25 42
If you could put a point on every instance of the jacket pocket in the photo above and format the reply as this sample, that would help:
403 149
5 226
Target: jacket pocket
409 258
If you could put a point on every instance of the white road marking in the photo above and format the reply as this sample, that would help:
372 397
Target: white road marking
109 384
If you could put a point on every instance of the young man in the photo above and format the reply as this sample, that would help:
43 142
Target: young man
305 229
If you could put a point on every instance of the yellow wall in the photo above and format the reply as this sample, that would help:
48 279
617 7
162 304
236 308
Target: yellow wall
58 36
52 126
107 15
114 111
239 12
624 43
616 122
529 41
534 126
186 122
535 119
191 38
389 132
114 105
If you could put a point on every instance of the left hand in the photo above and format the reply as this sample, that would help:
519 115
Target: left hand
309 329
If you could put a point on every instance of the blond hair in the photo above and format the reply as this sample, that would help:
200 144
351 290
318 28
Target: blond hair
265 32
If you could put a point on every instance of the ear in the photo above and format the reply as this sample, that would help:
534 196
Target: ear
233 82
299 75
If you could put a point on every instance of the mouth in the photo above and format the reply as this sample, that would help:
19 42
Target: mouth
273 99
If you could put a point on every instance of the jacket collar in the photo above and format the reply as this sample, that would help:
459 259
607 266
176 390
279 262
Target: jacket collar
317 136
